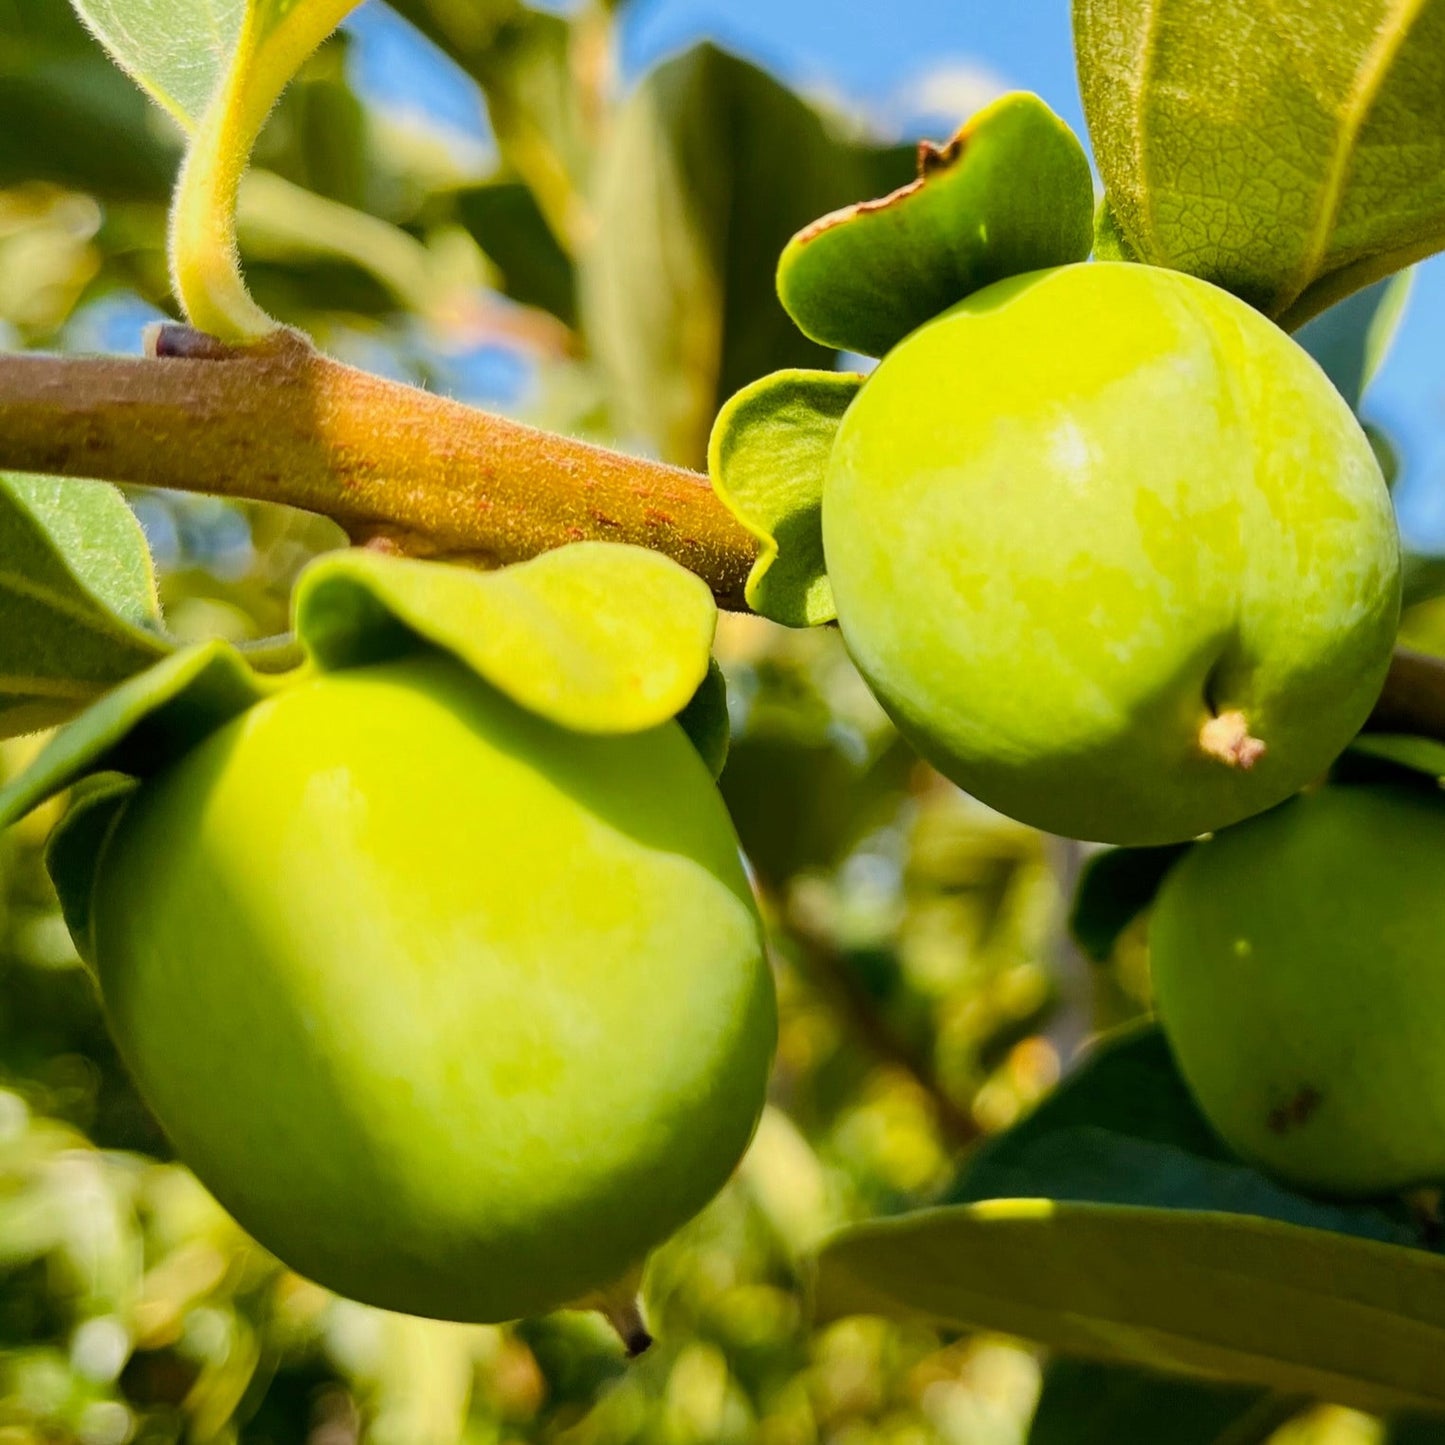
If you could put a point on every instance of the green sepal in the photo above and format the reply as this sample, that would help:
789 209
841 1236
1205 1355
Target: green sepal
598 638
706 723
1115 887
1011 192
73 850
768 456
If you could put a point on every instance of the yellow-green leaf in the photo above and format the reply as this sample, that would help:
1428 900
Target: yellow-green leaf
1229 1297
1292 152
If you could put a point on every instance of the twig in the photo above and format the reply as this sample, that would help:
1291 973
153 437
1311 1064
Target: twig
396 465
280 422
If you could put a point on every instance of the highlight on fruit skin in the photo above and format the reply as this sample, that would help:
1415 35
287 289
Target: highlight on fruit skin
1113 553
458 1012
1297 964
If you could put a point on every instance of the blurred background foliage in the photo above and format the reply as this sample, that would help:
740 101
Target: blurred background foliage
604 265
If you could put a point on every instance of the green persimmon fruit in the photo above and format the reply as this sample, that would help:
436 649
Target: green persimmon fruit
1299 973
1113 553
458 1013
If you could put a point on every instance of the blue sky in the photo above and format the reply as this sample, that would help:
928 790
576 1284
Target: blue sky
890 56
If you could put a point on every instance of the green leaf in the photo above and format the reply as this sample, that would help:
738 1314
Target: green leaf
1115 887
1011 192
217 66
1123 1129
508 225
1299 1311
1292 153
710 166
1084 1403
767 456
175 50
1424 756
75 845
57 93
1351 340
596 637
78 608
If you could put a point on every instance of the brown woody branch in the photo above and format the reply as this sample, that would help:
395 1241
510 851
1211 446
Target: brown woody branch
396 465
392 464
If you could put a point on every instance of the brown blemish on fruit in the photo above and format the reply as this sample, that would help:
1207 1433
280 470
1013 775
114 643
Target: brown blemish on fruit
932 161
1297 1113
1227 739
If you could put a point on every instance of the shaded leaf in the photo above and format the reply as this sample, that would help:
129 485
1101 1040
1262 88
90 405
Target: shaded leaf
710 166
75 845
1300 1311
1084 1403
1115 887
1292 153
1011 192
596 637
1422 756
507 224
1123 1129
1351 340
57 93
78 608
767 457
1423 577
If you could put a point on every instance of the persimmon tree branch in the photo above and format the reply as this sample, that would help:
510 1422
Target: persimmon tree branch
399 467
394 465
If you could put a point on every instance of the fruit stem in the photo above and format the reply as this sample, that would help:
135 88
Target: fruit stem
621 1306
1227 738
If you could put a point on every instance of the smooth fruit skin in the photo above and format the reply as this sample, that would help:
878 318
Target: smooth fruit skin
1085 511
457 1012
1299 972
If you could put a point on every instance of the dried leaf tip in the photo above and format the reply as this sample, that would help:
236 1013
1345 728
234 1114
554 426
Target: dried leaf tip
1227 738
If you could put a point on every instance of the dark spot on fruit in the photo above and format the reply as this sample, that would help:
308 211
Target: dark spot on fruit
1297 1112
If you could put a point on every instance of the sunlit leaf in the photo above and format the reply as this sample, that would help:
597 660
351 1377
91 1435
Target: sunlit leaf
218 67
1292 153
1300 1311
